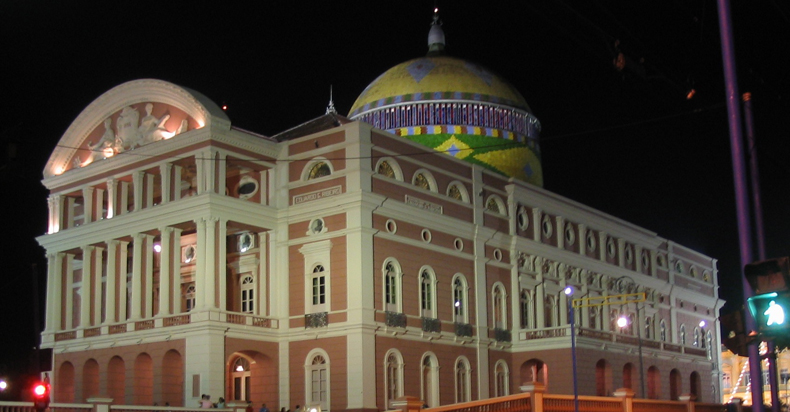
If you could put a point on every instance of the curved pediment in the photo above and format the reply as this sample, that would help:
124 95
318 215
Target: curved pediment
133 114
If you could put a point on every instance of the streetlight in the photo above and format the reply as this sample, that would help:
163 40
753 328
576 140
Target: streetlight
569 297
622 283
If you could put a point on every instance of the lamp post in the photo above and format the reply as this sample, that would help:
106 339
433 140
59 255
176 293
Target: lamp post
622 283
569 297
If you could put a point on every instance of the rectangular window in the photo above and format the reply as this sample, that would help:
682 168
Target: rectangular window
319 290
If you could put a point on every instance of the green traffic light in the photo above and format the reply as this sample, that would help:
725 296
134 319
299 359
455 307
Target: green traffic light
769 311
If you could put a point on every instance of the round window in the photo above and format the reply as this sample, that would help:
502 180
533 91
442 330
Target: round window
247 187
426 235
391 226
523 218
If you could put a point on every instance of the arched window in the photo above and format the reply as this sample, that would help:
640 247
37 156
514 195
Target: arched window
682 335
459 299
427 294
593 317
393 380
499 306
385 169
548 311
424 179
189 297
663 330
696 342
457 191
709 345
388 167
525 307
648 327
496 205
501 379
429 375
319 169
317 379
463 381
247 294
318 289
392 286
241 379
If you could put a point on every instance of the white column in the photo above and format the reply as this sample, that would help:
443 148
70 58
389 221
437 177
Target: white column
262 279
112 273
99 212
540 305
87 286
560 232
221 166
148 272
138 179
54 279
87 205
69 291
222 254
165 265
602 245
167 180
537 214
176 182
200 175
59 206
582 239
176 270
123 287
210 255
200 267
137 275
264 188
621 252
51 214
69 212
123 206
98 258
112 200
149 190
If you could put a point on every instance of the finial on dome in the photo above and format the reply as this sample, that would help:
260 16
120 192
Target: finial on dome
331 107
436 35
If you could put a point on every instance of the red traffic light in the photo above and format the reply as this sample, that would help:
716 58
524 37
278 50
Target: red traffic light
40 390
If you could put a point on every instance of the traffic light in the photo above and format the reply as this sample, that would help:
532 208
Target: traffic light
770 305
41 396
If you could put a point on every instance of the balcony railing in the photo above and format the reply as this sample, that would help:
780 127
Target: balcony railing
316 320
431 325
463 329
395 319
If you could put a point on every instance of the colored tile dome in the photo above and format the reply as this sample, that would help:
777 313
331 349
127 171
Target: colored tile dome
456 107
435 78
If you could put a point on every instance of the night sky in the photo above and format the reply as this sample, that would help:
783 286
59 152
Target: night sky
627 142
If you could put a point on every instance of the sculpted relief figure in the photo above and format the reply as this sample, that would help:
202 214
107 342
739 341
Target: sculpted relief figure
151 128
131 131
127 128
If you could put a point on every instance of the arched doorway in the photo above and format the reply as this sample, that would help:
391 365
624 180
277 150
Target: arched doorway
628 373
143 380
116 380
534 370
90 379
430 380
603 378
251 375
172 379
675 384
696 386
241 377
64 390
653 383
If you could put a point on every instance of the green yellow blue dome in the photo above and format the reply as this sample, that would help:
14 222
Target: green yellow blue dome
436 78
459 108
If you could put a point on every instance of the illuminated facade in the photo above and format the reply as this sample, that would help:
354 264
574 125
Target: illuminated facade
736 382
345 265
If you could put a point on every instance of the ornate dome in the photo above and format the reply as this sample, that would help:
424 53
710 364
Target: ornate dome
456 107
